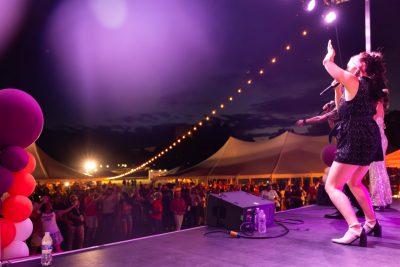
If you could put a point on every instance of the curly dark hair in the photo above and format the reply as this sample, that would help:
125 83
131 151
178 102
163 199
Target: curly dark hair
375 68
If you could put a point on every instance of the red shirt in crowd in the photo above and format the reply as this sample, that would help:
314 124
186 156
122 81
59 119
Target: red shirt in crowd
178 206
157 209
90 206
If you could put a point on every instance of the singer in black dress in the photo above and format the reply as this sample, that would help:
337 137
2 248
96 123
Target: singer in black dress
358 138
357 134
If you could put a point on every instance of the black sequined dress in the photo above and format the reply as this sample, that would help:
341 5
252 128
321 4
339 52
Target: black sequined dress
357 134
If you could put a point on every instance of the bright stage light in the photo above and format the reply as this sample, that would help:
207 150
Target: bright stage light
330 16
90 165
310 5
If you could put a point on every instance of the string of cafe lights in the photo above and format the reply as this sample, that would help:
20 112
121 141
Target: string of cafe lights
195 127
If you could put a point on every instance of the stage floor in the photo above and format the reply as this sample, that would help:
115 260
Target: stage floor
306 244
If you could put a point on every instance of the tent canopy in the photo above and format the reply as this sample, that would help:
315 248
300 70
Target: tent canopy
288 155
393 159
48 168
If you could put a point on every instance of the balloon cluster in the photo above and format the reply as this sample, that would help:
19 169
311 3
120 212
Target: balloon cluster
21 122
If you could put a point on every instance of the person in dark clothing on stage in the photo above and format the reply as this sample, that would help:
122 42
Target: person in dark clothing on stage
330 115
358 138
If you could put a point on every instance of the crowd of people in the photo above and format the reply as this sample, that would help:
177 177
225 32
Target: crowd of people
90 214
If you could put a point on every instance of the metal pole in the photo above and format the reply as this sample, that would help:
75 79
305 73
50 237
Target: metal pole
367 26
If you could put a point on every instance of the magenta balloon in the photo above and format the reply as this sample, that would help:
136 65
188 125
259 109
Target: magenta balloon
14 158
6 180
21 119
328 154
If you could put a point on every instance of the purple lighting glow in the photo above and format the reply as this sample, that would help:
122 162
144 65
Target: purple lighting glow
114 53
11 14
110 13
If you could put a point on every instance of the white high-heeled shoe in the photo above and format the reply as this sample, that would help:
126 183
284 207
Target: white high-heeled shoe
352 235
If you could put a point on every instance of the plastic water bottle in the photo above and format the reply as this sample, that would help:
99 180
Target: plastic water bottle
262 222
47 247
256 219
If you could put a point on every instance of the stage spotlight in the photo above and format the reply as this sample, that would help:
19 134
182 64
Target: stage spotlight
330 16
309 5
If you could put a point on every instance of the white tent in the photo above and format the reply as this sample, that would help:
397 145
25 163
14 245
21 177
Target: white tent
48 168
288 155
393 159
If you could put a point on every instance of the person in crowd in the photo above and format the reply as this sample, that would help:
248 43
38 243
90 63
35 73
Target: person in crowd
125 211
137 213
195 203
202 206
156 213
37 233
358 138
108 202
178 208
167 221
49 223
270 194
76 225
312 194
379 183
288 196
297 196
91 215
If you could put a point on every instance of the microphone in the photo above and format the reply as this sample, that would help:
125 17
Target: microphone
330 87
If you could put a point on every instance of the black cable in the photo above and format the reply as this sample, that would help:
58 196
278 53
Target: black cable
249 232
290 221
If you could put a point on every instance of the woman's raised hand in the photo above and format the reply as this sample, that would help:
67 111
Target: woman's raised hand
330 54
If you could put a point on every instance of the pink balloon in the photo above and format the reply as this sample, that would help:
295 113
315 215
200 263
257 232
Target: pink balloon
23 230
21 119
17 249
328 154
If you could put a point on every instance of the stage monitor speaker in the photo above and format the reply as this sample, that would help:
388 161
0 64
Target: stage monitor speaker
229 210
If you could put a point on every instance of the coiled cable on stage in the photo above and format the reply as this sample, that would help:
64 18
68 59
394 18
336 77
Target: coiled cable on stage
247 230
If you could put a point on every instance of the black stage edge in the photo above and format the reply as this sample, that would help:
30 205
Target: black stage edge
306 244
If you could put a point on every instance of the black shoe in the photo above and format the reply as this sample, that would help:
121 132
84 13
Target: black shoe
336 215
375 229
360 213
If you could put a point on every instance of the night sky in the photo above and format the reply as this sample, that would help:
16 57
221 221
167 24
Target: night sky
116 77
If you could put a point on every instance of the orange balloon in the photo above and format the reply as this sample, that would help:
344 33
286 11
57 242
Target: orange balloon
7 232
30 167
17 208
24 184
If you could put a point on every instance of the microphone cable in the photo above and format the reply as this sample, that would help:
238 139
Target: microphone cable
248 233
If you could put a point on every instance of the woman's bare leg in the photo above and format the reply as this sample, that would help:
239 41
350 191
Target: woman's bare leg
338 175
361 193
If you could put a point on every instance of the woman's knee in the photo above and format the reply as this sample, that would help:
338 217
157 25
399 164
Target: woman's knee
330 188
333 185
353 183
